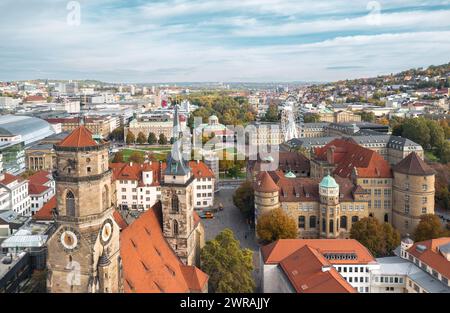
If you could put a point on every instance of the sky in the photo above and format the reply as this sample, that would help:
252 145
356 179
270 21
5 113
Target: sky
220 40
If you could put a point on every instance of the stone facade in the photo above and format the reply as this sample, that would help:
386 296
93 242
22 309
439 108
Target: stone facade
413 197
83 252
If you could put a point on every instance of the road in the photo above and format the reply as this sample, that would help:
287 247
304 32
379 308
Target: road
232 218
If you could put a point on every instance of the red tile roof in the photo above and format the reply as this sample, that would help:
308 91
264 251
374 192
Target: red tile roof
45 213
413 165
348 156
34 189
431 256
201 170
80 137
304 269
40 178
278 250
35 99
8 179
265 183
149 263
120 220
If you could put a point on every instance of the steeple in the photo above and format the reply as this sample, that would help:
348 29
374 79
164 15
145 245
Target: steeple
176 165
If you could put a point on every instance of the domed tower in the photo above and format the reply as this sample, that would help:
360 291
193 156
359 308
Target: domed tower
85 226
413 192
329 207
266 195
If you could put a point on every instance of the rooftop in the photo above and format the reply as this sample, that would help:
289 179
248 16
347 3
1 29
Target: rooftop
413 165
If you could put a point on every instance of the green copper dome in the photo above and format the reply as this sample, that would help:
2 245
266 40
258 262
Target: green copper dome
328 182
290 175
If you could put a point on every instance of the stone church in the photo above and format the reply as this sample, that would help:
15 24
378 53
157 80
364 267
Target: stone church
94 250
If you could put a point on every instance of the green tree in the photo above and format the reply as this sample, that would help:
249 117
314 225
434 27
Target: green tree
118 157
367 116
244 199
437 133
162 139
136 157
429 227
380 239
272 114
152 139
312 118
141 139
275 225
444 152
417 130
130 138
117 134
229 267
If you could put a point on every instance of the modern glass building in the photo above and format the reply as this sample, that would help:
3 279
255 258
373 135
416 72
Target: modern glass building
13 157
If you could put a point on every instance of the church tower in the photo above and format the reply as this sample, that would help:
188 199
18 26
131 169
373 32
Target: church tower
177 198
83 252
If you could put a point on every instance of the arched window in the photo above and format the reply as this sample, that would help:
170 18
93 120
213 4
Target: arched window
344 222
301 222
105 200
386 218
331 225
312 222
175 228
354 219
70 204
175 204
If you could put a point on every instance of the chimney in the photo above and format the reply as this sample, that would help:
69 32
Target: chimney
326 268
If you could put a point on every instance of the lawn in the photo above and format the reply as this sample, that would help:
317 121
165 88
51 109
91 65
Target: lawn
159 154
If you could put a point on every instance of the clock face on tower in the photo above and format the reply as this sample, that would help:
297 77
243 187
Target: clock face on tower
106 232
69 239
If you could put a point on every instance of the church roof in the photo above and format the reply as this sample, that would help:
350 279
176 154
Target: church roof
413 165
265 183
149 263
79 138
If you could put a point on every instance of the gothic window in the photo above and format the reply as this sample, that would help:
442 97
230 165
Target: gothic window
175 228
312 222
105 198
344 222
386 218
70 204
175 204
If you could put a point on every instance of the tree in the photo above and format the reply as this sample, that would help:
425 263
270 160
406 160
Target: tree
162 139
312 118
244 199
117 134
380 239
417 130
152 139
118 157
136 157
275 225
130 138
272 114
141 139
429 227
229 267
367 116
444 152
437 133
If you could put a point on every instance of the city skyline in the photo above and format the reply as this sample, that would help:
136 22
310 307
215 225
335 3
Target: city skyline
212 41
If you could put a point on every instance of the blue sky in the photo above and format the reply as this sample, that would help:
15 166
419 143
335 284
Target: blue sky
220 40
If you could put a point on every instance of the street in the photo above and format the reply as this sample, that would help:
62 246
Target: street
232 218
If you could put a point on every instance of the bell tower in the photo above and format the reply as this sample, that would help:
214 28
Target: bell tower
83 252
177 202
